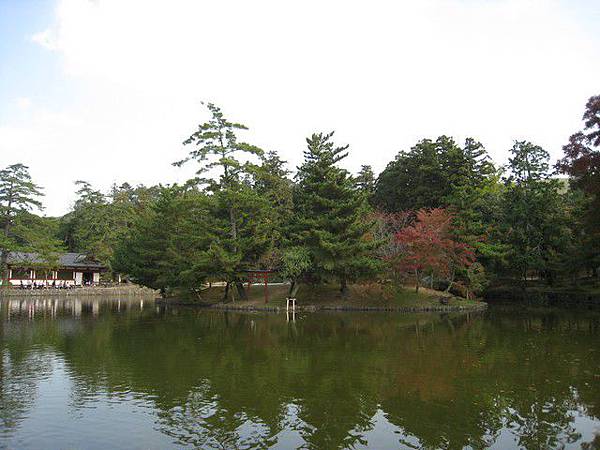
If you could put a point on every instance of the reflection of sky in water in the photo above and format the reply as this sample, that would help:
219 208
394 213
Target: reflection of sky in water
57 421
80 373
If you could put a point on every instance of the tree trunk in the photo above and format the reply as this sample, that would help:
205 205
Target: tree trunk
241 291
4 256
226 293
417 280
4 267
451 281
293 289
343 286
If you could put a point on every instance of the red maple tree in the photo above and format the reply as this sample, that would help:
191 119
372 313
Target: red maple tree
429 247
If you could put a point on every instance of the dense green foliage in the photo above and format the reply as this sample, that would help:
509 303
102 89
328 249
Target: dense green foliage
21 230
243 211
331 215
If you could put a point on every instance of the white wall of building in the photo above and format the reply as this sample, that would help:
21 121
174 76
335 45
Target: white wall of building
78 279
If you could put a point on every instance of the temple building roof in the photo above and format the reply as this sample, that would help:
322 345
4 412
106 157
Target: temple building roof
70 260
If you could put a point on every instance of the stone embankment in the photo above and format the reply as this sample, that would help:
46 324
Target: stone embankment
106 291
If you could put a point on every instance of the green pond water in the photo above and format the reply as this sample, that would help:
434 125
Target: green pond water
109 373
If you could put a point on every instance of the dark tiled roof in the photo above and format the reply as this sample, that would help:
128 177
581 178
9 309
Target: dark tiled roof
64 260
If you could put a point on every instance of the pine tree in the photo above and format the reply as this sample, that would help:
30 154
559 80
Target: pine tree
533 212
271 183
332 216
176 243
18 195
365 181
216 147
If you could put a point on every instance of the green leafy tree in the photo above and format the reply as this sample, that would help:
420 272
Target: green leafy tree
476 279
333 221
175 243
295 264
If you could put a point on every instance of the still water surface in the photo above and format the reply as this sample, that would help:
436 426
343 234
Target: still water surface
111 373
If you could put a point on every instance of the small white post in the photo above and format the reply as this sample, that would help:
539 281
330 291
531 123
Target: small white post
290 301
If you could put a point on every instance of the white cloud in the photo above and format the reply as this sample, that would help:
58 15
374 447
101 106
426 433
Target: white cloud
45 39
23 103
381 73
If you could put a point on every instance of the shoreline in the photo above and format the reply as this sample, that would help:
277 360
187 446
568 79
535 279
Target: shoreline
480 306
78 292
544 296
360 297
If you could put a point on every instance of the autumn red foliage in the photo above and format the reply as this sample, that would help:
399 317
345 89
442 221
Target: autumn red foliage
428 247
582 154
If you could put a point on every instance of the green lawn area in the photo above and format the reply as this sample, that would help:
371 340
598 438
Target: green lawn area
358 296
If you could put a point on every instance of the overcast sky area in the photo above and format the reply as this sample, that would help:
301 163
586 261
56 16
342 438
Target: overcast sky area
106 90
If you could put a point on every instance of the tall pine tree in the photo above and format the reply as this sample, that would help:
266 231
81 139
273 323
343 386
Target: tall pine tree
332 215
216 148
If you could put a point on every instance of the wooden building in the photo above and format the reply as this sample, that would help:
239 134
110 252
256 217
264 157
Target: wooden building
70 269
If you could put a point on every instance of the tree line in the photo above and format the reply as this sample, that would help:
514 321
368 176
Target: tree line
441 213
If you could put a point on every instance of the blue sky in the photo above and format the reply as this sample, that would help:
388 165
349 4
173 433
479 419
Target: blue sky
106 90
26 68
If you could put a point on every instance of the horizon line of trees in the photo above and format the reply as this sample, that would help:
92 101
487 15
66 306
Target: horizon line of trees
441 213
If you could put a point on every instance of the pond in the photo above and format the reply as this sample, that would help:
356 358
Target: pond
110 373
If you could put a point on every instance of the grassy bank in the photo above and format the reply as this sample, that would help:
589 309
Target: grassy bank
371 296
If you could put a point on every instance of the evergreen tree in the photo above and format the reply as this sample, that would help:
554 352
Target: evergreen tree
475 199
332 216
414 180
98 222
216 147
144 256
272 185
18 195
532 211
432 174
365 182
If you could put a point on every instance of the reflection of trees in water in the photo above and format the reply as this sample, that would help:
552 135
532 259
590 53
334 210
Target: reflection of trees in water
512 379
594 444
203 422
19 378
226 380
